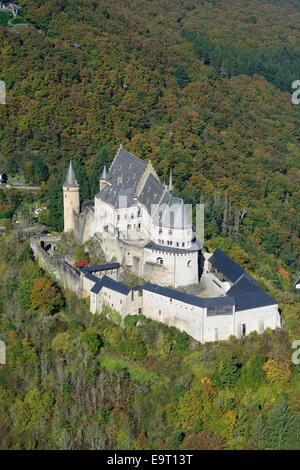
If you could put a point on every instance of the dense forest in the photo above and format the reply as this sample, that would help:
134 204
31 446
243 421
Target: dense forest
78 381
199 87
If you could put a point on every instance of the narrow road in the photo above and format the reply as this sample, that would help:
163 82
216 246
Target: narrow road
22 187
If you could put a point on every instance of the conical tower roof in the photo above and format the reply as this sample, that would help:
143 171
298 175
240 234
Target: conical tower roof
71 177
104 174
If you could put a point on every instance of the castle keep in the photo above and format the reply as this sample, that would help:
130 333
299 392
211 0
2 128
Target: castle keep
143 228
137 221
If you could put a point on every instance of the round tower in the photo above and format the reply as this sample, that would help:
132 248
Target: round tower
71 198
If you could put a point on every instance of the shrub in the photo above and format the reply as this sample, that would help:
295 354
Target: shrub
92 341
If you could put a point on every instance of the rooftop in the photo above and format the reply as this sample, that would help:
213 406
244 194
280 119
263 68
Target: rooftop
227 266
70 180
128 169
188 298
110 283
100 267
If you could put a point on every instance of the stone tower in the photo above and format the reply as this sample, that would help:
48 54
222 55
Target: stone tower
103 178
71 198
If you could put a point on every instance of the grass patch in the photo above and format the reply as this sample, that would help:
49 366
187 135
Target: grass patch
137 372
5 17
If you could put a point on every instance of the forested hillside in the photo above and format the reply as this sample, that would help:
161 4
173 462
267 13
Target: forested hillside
74 380
86 75
199 87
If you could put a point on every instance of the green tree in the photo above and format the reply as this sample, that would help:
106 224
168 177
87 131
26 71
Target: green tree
259 433
228 372
92 341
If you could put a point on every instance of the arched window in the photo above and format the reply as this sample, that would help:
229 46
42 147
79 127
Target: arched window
160 261
189 263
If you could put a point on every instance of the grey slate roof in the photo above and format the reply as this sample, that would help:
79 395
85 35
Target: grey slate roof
169 249
117 195
110 283
100 267
255 299
70 180
227 266
152 192
248 295
187 298
91 277
128 167
242 286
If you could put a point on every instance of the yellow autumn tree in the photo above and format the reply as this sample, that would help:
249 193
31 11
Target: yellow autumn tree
278 367
45 296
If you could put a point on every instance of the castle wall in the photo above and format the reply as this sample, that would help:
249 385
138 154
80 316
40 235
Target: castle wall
69 276
176 269
257 319
218 327
87 283
83 224
172 312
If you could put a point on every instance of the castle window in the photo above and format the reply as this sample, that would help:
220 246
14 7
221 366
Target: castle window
160 261
189 263
183 244
140 311
244 329
118 217
170 232
177 244
120 301
159 312
160 231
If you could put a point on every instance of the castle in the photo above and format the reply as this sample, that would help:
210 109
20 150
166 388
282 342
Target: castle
143 228
138 222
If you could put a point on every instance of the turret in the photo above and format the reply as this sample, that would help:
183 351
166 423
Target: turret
171 184
71 198
103 178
